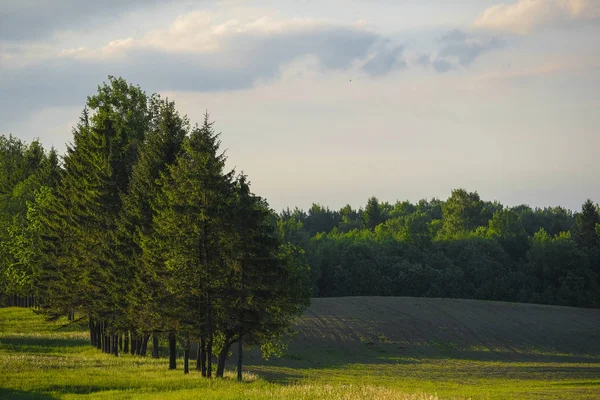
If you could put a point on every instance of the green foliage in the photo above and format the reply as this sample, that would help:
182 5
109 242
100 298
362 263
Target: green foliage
141 230
374 213
464 247
586 223
462 212
506 227
24 169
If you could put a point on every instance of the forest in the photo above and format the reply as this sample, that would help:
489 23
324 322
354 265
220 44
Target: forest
140 230
463 247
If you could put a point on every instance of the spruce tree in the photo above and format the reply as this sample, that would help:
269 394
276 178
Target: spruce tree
587 220
188 226
162 144
266 285
97 168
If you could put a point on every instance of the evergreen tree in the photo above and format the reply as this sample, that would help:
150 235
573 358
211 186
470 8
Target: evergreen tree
587 220
97 168
161 145
373 215
266 286
188 229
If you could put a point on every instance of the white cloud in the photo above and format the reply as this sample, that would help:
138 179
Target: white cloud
204 32
526 15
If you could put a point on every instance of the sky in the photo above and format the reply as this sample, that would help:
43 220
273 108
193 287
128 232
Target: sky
334 101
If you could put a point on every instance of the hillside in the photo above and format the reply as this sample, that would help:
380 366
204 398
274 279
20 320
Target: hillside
387 329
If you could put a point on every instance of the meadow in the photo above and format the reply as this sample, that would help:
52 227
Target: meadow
346 348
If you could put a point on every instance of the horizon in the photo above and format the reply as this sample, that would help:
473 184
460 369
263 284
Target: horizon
332 104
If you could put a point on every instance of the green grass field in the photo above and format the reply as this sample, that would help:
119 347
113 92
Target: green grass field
346 348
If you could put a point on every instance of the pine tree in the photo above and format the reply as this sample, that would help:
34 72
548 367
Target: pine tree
587 220
372 216
97 168
160 148
188 227
266 286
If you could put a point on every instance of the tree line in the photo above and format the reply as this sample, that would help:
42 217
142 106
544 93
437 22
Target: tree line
463 247
141 231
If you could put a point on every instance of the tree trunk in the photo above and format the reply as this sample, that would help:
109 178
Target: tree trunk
139 341
121 343
126 343
222 359
199 357
203 355
155 345
106 347
172 351
241 329
133 343
92 332
98 335
240 356
144 348
186 357
115 345
209 347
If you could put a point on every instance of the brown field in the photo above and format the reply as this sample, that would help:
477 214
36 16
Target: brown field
439 340
429 327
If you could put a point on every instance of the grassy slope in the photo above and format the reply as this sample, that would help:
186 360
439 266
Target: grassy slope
348 348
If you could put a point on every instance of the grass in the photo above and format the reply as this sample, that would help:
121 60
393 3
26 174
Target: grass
376 358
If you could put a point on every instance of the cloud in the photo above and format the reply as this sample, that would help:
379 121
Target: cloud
385 60
26 20
527 15
465 49
441 65
459 49
197 52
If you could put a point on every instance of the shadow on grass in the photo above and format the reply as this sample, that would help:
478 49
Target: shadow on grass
299 363
77 389
577 384
37 344
21 395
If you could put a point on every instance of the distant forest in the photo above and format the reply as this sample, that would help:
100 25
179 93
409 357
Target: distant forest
463 247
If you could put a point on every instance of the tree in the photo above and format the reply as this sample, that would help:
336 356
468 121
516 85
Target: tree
506 227
19 248
188 227
162 143
587 220
558 272
462 212
97 169
267 285
350 219
373 214
320 219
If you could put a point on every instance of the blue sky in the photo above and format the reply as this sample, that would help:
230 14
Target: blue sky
333 101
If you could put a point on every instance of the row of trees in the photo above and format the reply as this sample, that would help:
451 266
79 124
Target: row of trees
143 232
463 247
